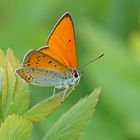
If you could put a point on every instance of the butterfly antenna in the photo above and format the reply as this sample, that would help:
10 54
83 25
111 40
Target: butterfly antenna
91 62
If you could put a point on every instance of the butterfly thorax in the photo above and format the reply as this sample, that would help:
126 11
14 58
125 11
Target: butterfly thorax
72 80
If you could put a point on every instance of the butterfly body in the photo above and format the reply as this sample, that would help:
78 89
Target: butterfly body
55 64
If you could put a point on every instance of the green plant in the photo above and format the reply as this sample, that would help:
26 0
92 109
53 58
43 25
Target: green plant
17 118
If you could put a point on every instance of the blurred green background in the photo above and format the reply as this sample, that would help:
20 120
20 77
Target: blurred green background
111 27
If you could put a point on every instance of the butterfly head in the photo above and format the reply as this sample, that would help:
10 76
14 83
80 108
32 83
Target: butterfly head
76 77
77 73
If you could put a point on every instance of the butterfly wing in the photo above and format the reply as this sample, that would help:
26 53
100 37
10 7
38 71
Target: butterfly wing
39 60
41 77
61 43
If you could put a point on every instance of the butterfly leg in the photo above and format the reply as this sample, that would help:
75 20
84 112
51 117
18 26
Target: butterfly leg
64 94
53 92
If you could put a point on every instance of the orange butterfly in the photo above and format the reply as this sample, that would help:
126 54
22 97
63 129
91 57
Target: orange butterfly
56 64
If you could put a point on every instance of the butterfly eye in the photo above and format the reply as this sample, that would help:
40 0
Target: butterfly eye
76 73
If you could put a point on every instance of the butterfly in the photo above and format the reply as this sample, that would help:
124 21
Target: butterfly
55 64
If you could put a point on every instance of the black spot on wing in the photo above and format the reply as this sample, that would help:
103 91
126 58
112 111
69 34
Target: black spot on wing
49 62
69 40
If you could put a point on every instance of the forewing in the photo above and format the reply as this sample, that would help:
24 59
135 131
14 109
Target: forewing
41 77
61 43
39 60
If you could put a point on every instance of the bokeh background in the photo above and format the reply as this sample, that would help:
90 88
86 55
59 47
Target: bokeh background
111 27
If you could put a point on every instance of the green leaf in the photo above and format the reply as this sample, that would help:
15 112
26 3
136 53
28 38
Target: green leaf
21 100
1 79
41 110
20 94
2 56
15 128
15 92
72 124
10 56
11 84
4 89
1 85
